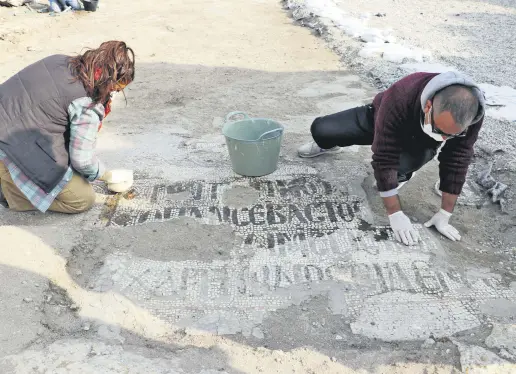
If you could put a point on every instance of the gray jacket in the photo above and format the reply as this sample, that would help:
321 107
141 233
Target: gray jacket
34 123
449 78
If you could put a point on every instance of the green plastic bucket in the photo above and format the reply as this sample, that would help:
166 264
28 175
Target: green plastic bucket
253 144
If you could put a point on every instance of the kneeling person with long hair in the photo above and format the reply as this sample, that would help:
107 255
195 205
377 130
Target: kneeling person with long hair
50 114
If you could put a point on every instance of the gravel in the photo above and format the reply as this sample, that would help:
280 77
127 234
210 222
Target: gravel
477 37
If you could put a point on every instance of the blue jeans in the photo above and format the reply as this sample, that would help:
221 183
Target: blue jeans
60 5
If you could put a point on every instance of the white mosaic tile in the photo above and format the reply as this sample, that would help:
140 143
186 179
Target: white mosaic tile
301 237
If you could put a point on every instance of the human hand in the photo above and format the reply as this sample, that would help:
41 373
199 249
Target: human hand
404 232
440 221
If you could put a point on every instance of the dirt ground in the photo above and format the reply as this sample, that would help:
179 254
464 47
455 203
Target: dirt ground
206 272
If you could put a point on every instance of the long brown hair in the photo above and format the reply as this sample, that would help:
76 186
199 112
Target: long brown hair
101 69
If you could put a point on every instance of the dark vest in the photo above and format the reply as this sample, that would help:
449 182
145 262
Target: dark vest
34 123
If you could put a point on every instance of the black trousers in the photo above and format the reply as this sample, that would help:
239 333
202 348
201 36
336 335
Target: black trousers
356 127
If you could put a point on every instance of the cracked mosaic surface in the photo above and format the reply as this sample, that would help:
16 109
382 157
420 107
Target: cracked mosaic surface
301 237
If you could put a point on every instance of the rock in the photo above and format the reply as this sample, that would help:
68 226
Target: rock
74 307
300 14
428 343
13 2
504 354
27 299
380 14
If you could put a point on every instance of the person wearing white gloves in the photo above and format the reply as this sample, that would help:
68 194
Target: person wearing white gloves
406 125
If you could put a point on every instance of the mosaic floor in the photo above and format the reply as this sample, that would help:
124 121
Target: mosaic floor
300 237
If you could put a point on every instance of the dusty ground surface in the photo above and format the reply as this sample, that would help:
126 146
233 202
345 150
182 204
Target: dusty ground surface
200 271
458 33
453 35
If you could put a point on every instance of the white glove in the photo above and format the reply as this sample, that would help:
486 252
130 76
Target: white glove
403 229
440 221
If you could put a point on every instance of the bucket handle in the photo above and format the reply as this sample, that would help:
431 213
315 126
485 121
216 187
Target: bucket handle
270 132
232 114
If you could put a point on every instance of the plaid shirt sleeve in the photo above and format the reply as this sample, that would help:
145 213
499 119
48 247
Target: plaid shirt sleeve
85 121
